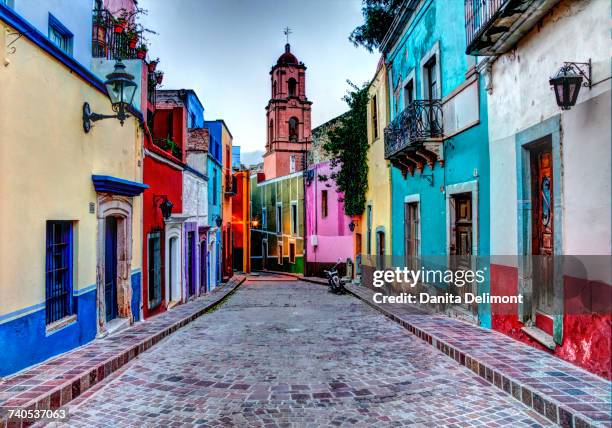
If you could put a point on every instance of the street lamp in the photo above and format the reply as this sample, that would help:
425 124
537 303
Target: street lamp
121 88
166 209
568 80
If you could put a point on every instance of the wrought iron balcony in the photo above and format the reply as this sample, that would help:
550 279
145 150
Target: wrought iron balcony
492 27
419 122
106 43
169 146
230 185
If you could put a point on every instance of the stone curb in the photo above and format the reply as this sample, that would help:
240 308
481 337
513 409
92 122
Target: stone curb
549 408
72 389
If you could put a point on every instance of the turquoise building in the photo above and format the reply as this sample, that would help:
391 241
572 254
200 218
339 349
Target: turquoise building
215 175
438 147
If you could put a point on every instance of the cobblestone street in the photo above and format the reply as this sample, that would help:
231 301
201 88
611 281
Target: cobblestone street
288 353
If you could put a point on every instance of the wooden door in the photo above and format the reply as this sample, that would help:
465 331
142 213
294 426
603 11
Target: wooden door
411 233
190 264
380 250
110 268
203 273
461 245
542 227
155 273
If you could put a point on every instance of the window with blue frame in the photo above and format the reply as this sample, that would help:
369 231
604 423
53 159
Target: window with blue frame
215 187
58 282
60 35
9 3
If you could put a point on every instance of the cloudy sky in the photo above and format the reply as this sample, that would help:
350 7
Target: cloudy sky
224 49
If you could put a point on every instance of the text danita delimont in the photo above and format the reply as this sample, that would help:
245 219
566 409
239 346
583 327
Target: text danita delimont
458 278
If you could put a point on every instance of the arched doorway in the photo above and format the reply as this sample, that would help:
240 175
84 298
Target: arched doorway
114 259
173 267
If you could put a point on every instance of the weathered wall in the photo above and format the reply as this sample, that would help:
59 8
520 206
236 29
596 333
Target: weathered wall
522 101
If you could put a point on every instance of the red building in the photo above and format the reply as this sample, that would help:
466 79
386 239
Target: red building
163 172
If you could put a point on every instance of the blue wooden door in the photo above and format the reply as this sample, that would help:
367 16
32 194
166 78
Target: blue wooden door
110 268
203 272
191 263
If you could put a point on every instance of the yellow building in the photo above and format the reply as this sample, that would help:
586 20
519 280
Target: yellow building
70 260
372 239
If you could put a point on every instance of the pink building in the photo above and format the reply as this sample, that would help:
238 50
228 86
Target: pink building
327 227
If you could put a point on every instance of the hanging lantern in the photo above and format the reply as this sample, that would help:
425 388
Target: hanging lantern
568 81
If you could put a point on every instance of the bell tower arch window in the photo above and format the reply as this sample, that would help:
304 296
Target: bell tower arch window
292 85
293 129
271 131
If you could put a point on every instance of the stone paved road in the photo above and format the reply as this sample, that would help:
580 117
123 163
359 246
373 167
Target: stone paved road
291 354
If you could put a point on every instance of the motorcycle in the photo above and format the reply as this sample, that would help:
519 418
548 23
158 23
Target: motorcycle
336 285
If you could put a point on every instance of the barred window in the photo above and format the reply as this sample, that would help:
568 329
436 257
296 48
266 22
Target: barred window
58 283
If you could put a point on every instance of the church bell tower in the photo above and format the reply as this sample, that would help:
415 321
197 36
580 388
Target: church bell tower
287 118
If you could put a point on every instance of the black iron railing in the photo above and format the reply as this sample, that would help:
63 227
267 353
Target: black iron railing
152 89
230 184
478 14
106 43
420 121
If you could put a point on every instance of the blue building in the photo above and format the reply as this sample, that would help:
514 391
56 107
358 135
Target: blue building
236 157
215 175
437 142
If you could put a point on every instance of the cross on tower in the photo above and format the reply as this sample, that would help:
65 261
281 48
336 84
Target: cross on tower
287 31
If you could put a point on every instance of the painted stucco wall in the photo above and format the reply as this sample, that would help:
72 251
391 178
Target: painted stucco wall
164 180
214 211
334 239
522 104
378 195
434 29
75 15
35 187
522 97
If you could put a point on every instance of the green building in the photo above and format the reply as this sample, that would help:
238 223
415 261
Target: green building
277 223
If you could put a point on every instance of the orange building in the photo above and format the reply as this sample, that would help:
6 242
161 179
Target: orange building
241 221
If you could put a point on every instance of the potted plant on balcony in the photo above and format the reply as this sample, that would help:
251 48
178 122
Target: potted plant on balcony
132 37
141 51
120 25
159 77
153 65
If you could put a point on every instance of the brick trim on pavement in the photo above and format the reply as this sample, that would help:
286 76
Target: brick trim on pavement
54 383
584 402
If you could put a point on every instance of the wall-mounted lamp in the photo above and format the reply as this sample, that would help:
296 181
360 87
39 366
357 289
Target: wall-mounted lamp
255 223
121 88
352 225
218 221
568 80
165 206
